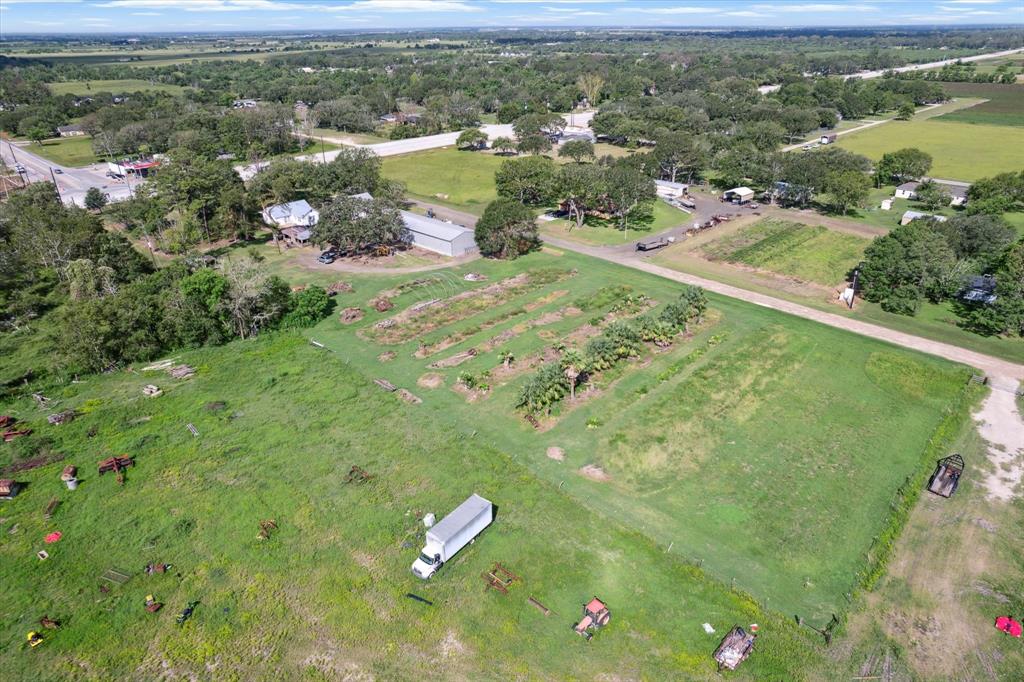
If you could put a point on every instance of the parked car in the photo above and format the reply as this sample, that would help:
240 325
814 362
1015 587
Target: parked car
327 257
58 171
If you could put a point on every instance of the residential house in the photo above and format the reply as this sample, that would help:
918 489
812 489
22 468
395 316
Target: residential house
908 190
294 218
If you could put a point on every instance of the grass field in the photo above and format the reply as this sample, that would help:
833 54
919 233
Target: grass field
960 151
466 178
1005 105
603 232
67 151
112 86
810 253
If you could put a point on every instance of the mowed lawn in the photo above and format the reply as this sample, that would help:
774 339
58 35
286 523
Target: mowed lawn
280 424
84 88
961 151
764 447
606 232
461 179
809 253
67 151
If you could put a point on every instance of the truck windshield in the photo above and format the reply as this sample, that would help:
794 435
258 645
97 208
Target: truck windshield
429 561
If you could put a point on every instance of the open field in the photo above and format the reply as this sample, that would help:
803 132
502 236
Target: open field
1005 105
810 253
113 86
355 138
280 423
960 150
67 151
464 179
687 424
604 232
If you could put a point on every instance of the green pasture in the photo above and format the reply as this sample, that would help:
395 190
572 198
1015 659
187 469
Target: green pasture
67 151
460 179
280 424
810 253
961 151
763 447
120 86
1005 105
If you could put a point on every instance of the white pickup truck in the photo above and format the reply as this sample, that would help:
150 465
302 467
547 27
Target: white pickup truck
454 532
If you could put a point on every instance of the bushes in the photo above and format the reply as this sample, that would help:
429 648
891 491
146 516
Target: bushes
622 339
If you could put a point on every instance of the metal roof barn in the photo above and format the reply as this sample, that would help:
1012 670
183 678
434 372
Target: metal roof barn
440 237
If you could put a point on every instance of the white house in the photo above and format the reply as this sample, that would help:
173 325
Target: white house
294 213
669 189
957 193
70 131
438 236
908 190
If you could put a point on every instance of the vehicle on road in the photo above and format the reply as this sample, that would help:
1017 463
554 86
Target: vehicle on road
58 171
454 532
327 257
654 244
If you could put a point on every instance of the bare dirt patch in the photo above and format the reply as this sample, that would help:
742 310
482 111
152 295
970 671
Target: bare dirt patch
350 315
431 380
594 473
455 360
408 397
556 453
387 356
1000 424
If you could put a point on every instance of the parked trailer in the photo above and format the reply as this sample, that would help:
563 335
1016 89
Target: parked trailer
454 532
653 244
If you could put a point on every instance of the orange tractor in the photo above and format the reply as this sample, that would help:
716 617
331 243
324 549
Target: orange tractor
595 615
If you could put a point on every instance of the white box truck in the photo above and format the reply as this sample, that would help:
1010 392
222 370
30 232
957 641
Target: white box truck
454 532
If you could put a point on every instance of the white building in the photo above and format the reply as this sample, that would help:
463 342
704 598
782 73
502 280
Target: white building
669 189
438 236
908 190
738 195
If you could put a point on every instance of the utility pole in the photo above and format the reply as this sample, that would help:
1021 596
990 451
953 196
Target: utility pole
323 150
56 186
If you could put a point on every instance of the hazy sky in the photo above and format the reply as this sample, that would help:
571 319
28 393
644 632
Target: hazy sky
78 16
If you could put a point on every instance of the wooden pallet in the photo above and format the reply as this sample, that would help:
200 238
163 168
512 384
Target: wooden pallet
499 578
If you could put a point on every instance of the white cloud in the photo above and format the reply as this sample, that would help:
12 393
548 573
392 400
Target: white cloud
974 2
409 6
33 22
746 13
819 7
676 10
147 14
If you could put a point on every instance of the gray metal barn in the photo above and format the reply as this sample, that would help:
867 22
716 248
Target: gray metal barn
438 236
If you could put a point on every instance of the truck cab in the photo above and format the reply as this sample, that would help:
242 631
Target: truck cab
427 562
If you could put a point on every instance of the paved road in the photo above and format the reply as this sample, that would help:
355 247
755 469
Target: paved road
72 182
933 65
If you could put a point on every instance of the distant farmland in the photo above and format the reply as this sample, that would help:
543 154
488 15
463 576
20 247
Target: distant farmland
1005 105
113 86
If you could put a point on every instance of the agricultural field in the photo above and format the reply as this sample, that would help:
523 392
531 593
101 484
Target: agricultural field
960 151
809 253
1005 105
460 179
124 85
606 232
67 151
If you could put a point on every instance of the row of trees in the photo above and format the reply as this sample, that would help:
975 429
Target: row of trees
622 339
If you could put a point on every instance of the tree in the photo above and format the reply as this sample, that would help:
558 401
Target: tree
590 85
472 138
37 134
256 300
905 164
932 195
573 366
847 189
680 155
577 150
95 199
533 144
628 189
1006 314
581 188
529 180
358 225
906 111
981 238
507 229
545 124
504 145
308 307
911 261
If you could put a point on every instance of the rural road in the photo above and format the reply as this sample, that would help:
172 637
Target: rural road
72 182
933 65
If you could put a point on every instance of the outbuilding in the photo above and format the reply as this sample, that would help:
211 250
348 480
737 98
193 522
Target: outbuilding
438 236
738 195
70 131
908 190
669 189
910 216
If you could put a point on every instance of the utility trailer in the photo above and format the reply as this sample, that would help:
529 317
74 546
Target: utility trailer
454 532
946 478
654 244
735 648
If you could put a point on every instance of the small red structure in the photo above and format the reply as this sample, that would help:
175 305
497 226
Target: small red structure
115 464
53 537
595 615
1010 626
734 648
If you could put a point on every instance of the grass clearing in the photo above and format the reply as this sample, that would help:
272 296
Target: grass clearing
810 253
1005 105
460 179
67 151
606 232
119 86
960 151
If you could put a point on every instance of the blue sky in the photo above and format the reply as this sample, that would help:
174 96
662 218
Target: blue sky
52 16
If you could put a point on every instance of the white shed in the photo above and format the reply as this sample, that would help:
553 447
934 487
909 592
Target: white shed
739 195
669 189
438 236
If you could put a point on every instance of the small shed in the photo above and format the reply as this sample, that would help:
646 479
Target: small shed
438 236
908 190
738 195
886 204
